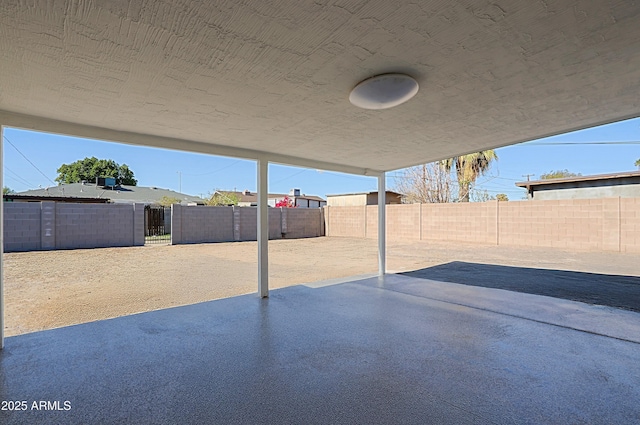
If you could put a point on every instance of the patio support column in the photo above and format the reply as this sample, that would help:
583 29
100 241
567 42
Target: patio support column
1 241
382 241
263 229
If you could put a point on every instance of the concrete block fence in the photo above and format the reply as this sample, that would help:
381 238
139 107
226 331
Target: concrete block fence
227 224
33 226
609 224
604 224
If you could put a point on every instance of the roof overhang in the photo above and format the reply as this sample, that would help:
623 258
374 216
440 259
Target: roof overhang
270 80
596 177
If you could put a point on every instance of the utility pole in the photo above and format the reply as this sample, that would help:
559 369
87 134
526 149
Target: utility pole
528 175
180 180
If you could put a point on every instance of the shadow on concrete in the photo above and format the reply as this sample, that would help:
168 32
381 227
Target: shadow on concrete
349 353
602 289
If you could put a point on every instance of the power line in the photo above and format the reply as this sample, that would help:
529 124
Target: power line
214 171
16 177
15 180
528 175
24 156
292 175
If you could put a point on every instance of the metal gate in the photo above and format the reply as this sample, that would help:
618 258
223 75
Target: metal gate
157 224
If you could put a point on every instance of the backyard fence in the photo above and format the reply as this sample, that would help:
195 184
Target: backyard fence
607 224
610 224
226 224
33 226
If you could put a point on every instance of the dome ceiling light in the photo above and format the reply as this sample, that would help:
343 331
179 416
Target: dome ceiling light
383 91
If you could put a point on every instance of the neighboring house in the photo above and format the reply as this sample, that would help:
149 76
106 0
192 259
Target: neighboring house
625 184
362 198
90 192
250 199
18 197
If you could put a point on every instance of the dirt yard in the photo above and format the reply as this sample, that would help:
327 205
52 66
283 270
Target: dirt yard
45 290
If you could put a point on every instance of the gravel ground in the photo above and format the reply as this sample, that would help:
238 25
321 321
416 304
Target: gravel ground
50 289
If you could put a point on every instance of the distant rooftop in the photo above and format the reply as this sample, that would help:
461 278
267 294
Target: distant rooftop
366 193
117 194
611 176
248 196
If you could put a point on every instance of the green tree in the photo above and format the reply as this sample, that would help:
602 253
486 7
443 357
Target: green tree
89 169
7 190
222 199
468 169
167 201
637 163
558 174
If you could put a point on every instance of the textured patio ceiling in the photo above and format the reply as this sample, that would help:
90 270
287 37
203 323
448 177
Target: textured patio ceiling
273 76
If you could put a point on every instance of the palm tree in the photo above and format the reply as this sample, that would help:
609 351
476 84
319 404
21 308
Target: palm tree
638 163
468 169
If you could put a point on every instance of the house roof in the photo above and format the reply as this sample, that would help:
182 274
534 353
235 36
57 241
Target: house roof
611 176
253 196
122 194
388 192
35 198
271 79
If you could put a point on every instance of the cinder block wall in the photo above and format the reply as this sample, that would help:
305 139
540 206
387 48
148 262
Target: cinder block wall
21 226
32 226
346 221
199 224
302 222
402 223
207 224
94 225
472 222
609 224
275 223
571 224
630 225
371 218
249 223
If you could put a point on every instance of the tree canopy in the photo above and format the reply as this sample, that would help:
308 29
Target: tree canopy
167 201
7 190
637 163
558 174
424 184
432 183
222 199
468 168
89 169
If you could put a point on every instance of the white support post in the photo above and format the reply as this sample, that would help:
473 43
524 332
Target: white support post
1 242
382 241
263 229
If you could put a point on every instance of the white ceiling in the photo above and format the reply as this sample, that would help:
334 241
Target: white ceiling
274 76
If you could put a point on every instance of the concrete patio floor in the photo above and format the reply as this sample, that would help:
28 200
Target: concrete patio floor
394 350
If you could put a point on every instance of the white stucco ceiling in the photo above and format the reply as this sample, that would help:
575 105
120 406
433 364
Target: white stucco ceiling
274 76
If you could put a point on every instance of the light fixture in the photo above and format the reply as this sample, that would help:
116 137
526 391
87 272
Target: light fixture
383 91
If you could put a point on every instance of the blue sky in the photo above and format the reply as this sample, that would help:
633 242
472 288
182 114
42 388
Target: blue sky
195 174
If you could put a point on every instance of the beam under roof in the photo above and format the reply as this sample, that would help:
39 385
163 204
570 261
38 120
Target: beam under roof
27 122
